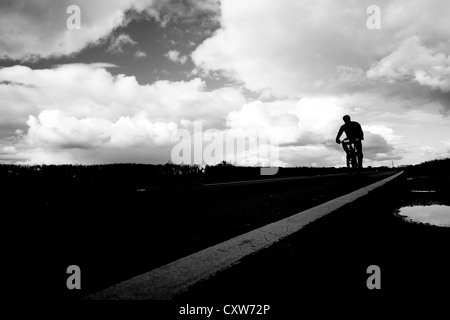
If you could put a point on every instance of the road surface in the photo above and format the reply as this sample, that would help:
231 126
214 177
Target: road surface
114 236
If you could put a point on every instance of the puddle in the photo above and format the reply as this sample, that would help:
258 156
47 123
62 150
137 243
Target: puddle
438 215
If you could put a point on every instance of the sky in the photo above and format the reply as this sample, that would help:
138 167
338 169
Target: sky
124 80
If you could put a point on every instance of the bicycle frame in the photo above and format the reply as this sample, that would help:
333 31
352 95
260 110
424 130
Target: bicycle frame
352 161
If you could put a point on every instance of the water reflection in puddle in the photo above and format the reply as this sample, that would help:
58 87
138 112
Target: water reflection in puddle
438 215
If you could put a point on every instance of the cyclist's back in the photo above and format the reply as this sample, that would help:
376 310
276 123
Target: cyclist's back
353 130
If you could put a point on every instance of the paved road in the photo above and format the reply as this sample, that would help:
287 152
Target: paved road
271 180
115 236
328 260
176 277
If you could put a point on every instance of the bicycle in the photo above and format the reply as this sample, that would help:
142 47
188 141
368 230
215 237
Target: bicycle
352 159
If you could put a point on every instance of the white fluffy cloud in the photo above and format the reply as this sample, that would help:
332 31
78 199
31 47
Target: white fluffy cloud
79 109
174 55
55 129
380 143
294 47
414 61
26 32
307 121
119 42
307 62
140 54
81 90
84 107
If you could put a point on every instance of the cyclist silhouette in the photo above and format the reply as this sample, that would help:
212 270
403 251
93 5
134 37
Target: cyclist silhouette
354 133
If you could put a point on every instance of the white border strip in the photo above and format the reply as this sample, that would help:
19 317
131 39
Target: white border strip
176 277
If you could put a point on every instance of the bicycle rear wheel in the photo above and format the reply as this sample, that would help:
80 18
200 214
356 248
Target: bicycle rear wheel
353 164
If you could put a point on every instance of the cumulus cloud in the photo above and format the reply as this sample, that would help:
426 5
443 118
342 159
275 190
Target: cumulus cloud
428 151
82 90
38 29
187 11
293 47
26 33
414 61
387 133
174 55
139 54
446 150
85 107
377 148
285 54
79 109
381 143
56 129
305 63
119 42
307 121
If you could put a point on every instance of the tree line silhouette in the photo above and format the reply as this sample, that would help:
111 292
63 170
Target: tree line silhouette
135 176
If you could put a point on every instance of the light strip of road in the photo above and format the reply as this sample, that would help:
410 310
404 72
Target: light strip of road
270 180
176 277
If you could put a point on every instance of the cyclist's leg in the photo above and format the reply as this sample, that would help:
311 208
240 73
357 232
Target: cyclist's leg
359 154
347 152
354 160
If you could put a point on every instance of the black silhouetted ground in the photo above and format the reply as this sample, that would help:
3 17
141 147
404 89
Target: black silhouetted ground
328 259
113 231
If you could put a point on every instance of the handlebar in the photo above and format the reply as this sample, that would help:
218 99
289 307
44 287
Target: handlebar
348 141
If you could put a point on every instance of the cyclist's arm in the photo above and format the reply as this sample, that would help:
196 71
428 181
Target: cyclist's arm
361 133
341 130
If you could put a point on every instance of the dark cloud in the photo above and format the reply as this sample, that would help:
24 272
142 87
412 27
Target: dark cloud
444 101
9 129
14 83
377 148
207 12
32 30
